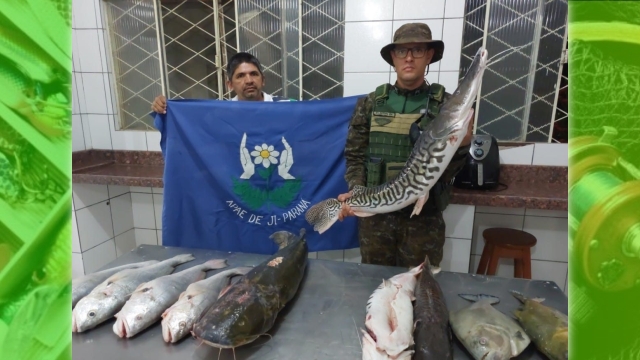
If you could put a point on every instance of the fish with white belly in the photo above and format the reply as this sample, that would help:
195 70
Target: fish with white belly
109 297
151 299
178 320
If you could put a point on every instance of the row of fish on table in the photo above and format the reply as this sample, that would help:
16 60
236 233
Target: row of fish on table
229 309
407 318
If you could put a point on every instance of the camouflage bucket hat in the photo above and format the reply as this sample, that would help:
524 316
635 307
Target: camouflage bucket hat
411 33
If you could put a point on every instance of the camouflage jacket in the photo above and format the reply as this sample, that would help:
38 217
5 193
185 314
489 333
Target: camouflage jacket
355 151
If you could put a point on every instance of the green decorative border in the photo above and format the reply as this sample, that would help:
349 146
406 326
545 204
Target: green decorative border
35 179
604 158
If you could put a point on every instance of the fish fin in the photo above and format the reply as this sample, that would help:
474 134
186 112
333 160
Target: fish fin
181 259
435 269
362 214
417 208
323 214
520 296
284 238
215 264
477 297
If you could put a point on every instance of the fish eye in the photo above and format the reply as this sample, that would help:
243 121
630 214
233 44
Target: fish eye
241 322
483 341
146 289
182 324
189 297
138 317
92 313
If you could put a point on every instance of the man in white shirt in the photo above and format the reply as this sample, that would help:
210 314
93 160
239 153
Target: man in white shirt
245 78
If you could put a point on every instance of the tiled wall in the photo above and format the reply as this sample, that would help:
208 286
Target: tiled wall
370 24
95 110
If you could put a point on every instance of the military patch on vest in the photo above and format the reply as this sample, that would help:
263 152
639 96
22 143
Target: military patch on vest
380 113
382 121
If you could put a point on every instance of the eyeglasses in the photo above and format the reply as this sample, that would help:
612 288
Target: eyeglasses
416 52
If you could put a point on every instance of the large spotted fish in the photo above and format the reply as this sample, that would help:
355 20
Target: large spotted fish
430 156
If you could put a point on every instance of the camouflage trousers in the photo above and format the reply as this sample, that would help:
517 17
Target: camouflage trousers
394 239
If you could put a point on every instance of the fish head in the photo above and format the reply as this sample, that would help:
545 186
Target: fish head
137 313
489 342
178 321
408 280
455 114
92 310
236 319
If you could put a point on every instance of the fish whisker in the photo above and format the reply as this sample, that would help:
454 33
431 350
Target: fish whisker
491 61
219 353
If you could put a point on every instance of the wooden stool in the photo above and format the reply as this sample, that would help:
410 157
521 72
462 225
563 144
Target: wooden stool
507 243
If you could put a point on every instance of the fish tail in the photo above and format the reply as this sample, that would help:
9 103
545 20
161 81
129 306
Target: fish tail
477 297
214 264
323 214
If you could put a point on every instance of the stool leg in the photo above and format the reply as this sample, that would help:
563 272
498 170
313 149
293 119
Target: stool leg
517 268
493 262
527 263
484 259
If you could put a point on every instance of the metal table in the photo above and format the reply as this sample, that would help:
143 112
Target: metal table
321 322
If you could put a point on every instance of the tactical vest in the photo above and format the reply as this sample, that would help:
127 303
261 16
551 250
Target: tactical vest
389 141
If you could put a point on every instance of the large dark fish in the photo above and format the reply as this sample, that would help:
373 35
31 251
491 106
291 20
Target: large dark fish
430 156
432 335
249 308
547 327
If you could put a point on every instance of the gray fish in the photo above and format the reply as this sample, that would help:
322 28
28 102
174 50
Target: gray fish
82 286
430 156
432 335
250 307
109 297
151 299
487 333
178 320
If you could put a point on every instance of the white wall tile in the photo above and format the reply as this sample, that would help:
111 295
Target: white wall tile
77 266
337 255
547 213
75 238
418 9
98 6
75 103
157 190
84 14
122 214
108 94
88 194
125 242
459 221
363 41
157 206
367 10
89 52
77 134
551 154
80 93
153 140
127 140
363 83
159 233
352 255
99 256
499 210
452 37
449 79
143 211
103 52
100 131
455 255
75 52
520 155
454 9
87 131
313 255
94 225
116 190
94 90
484 221
146 237
140 189
552 237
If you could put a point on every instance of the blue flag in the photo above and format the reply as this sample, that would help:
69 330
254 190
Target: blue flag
236 172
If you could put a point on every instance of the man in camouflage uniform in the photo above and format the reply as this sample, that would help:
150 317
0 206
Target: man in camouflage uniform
376 150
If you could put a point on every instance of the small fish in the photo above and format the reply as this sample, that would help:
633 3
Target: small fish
249 308
487 333
432 335
82 286
178 320
152 298
547 327
106 299
430 156
380 319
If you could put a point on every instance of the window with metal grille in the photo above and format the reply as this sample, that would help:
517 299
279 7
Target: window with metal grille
521 98
180 48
